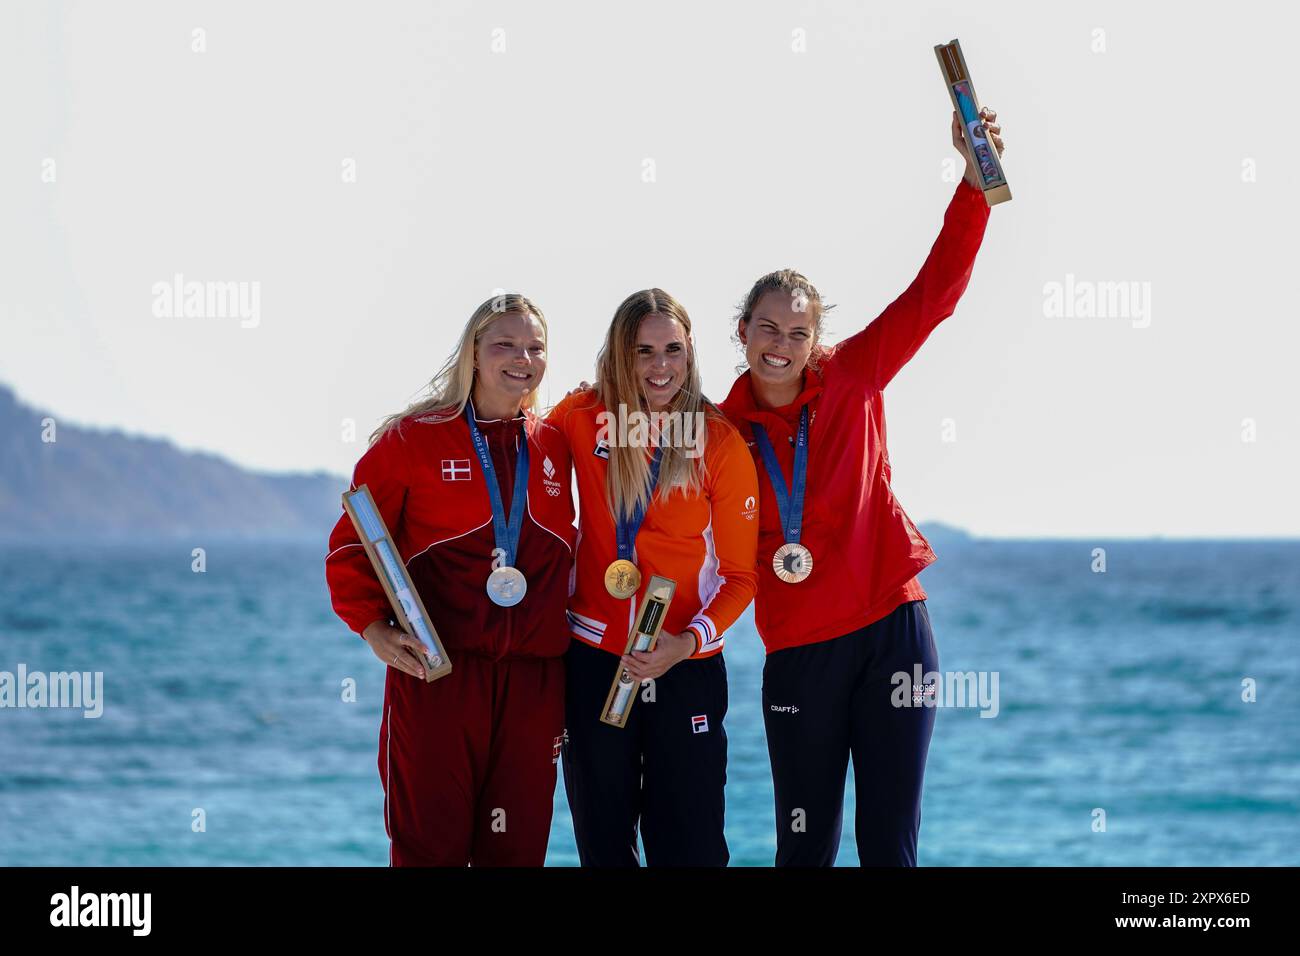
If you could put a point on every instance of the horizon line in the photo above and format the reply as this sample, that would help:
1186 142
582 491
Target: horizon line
959 529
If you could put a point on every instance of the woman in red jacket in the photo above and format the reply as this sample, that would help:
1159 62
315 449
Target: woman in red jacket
838 605
473 488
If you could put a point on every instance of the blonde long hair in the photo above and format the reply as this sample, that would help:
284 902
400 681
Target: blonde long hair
450 389
628 477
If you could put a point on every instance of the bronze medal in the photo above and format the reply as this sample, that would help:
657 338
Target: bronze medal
792 562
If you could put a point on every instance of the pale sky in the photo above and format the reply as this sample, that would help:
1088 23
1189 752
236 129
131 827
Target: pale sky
1146 143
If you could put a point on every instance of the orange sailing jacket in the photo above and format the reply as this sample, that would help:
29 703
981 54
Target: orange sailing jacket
866 551
706 543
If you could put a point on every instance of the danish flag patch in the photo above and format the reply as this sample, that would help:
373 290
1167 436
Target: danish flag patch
455 469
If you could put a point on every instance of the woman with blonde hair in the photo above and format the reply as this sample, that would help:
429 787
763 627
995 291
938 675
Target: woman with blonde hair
666 487
474 489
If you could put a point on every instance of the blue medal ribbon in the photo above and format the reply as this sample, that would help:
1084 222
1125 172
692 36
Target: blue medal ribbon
789 501
626 528
507 534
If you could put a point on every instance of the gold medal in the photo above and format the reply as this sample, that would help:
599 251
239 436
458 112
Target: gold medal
792 562
622 579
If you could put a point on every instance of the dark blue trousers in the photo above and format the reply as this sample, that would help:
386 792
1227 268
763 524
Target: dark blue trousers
664 774
825 702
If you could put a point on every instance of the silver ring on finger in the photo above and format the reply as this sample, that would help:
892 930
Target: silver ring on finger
396 656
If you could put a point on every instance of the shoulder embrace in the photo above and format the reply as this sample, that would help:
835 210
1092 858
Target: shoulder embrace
578 399
726 446
546 434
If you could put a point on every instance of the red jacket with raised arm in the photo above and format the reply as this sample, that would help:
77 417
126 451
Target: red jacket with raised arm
866 551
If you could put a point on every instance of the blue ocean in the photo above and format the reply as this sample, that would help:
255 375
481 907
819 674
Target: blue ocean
1157 696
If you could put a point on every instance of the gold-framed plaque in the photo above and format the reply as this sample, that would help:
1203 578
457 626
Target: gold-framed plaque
649 621
983 154
391 571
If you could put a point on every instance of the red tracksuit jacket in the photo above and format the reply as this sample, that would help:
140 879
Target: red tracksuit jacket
433 497
477 747
866 551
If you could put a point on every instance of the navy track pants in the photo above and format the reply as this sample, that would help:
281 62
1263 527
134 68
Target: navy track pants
665 772
825 702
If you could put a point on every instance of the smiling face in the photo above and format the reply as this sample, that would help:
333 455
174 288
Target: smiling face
661 359
509 359
778 339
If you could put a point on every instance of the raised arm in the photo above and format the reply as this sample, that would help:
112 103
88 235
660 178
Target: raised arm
878 352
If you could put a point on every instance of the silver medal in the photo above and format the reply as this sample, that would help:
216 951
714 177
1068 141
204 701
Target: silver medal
506 586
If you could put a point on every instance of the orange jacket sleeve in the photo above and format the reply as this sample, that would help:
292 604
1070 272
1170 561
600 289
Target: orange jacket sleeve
732 538
558 416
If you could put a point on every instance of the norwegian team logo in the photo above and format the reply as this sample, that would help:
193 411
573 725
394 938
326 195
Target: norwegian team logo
700 724
548 478
455 469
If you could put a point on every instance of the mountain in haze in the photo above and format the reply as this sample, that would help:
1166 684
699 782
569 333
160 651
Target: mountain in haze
99 484
104 484
942 535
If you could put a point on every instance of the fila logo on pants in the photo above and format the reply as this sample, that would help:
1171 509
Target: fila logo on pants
700 724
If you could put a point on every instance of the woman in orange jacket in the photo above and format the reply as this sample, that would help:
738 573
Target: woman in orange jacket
665 487
839 608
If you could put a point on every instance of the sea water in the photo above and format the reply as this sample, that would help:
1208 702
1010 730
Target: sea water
1147 714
